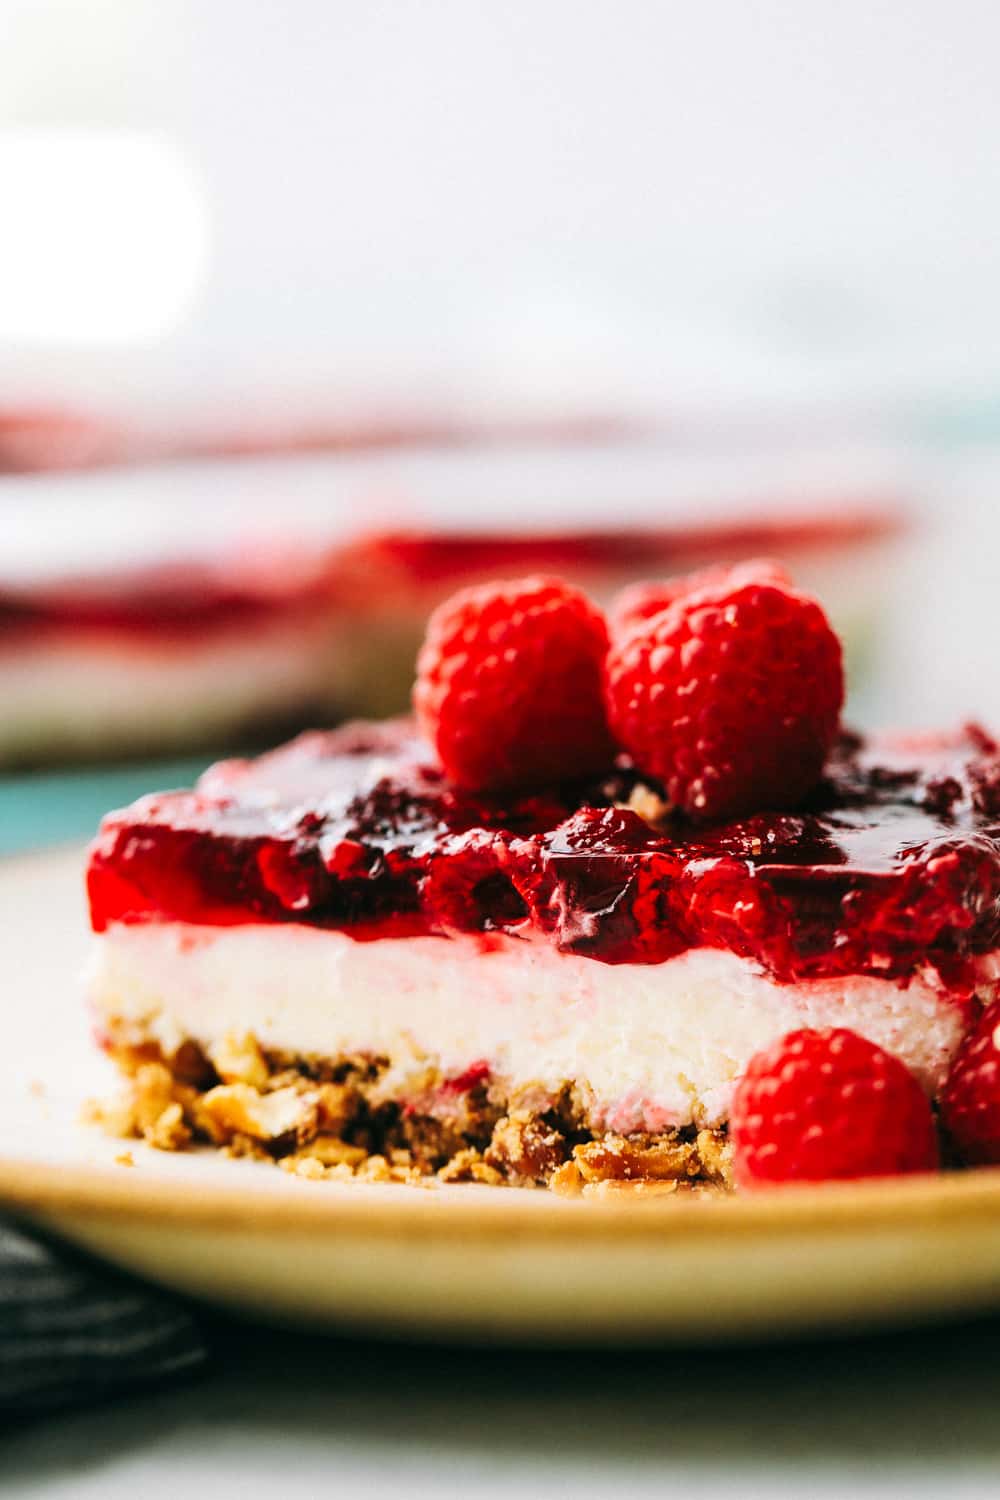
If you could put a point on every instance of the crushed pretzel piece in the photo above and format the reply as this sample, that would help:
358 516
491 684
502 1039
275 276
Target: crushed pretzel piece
526 1147
116 1117
337 1105
625 1158
244 1146
308 1167
330 1151
190 1065
237 1058
374 1169
152 1092
168 1132
715 1153
617 1187
567 1180
469 1166
237 1109
646 804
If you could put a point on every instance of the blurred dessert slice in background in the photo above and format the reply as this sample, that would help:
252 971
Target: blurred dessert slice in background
391 580
210 604
39 439
42 438
185 654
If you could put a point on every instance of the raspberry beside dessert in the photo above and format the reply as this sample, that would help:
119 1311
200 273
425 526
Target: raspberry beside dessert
828 1104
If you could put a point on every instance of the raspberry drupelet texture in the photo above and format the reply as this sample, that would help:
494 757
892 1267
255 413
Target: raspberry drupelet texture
509 687
970 1103
730 697
829 1104
641 601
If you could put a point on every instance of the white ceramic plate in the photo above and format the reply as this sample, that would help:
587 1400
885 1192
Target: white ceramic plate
445 1262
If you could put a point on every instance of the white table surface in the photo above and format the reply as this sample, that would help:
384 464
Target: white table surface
908 1415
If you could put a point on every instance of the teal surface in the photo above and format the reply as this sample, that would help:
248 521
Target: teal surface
51 807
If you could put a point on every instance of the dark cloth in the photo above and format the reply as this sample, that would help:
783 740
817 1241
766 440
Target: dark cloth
73 1332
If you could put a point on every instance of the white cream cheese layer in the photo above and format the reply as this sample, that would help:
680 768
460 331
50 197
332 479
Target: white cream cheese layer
654 1045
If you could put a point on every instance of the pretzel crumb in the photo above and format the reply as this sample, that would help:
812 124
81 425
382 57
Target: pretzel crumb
338 1120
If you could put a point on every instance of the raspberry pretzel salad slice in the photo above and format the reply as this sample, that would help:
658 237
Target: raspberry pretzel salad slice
622 904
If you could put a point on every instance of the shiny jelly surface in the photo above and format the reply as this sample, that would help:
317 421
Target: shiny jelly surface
893 867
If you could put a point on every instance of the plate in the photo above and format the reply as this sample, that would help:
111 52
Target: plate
447 1262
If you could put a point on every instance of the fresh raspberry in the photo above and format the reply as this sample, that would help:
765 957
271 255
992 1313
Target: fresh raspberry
730 698
509 685
829 1104
970 1102
641 601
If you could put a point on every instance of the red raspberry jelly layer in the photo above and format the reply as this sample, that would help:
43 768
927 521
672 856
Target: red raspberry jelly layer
893 867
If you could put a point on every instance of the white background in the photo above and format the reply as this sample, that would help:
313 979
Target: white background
646 200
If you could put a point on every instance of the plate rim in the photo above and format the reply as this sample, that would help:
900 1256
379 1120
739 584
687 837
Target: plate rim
473 1211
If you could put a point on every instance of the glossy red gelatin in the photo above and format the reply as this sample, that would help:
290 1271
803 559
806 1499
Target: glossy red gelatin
892 868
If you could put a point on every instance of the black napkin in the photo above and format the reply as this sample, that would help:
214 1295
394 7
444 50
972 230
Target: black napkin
72 1332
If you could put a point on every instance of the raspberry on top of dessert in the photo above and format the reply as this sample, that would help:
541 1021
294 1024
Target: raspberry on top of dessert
497 948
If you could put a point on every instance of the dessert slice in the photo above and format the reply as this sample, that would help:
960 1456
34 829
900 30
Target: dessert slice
335 956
